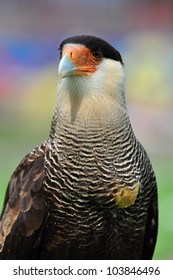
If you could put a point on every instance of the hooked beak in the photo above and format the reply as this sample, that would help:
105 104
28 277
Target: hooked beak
66 67
76 61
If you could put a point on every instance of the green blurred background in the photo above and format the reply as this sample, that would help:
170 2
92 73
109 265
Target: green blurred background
30 33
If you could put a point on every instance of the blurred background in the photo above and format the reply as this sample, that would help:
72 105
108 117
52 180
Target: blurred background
30 33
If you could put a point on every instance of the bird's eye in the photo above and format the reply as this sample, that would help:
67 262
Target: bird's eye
97 55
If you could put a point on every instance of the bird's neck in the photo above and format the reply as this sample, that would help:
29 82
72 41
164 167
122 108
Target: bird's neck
87 111
88 120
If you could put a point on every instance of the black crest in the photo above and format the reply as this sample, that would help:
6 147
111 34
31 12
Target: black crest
95 44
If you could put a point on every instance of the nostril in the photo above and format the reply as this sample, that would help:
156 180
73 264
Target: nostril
71 54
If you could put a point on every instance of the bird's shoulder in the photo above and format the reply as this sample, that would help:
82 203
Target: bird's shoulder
24 199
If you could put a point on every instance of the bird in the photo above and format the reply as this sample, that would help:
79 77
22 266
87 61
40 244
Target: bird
89 191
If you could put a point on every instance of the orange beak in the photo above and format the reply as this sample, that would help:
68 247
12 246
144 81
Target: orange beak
76 61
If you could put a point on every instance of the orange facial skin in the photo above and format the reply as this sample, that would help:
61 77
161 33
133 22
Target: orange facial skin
83 59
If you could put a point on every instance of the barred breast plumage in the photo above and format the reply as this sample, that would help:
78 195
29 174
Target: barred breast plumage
89 191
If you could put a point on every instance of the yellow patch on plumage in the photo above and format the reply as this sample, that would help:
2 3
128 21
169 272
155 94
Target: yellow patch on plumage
126 196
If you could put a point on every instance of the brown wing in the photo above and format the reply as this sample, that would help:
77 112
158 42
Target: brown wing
24 208
150 231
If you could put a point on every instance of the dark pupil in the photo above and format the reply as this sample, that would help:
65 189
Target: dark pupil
97 54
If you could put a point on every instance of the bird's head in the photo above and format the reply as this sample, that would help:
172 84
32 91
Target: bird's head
90 72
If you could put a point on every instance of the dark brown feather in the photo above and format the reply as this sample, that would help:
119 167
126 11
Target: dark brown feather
24 207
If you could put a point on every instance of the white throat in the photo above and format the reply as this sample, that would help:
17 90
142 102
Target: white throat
99 95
